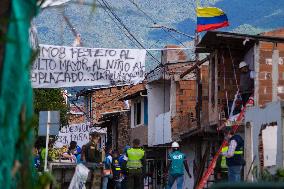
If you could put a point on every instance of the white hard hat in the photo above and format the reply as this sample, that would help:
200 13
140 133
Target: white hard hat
175 145
242 64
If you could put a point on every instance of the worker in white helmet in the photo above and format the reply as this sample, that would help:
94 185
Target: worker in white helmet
177 163
246 81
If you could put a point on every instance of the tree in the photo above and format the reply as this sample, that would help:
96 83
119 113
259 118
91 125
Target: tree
50 100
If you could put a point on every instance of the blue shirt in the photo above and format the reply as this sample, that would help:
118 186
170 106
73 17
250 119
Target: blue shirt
108 161
177 158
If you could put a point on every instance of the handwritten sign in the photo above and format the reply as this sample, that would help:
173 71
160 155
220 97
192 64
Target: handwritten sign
59 66
76 132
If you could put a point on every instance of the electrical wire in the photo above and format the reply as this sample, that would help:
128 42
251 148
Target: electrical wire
117 24
154 22
128 31
108 7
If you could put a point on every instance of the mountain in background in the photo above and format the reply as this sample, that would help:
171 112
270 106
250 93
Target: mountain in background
99 29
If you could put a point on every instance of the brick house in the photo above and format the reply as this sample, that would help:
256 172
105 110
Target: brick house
171 101
76 114
172 107
105 109
264 55
227 50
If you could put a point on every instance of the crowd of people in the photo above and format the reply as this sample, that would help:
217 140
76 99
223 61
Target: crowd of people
127 170
119 170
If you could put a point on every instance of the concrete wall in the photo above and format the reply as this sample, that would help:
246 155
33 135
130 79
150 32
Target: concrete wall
141 133
162 126
156 106
254 118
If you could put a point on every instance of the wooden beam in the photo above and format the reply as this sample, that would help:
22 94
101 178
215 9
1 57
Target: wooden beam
216 113
195 66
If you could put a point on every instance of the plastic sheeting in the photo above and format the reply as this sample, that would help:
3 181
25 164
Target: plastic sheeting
80 177
16 134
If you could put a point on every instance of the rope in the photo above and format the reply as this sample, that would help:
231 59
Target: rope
224 80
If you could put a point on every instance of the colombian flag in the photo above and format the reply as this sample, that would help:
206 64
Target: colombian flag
210 18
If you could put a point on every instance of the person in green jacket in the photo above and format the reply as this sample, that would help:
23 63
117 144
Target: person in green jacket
177 163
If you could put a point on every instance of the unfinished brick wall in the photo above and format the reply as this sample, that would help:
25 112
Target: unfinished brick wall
186 97
107 100
75 119
76 114
124 131
185 116
265 68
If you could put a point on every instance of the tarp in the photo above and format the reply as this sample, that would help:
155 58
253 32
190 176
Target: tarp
16 132
59 66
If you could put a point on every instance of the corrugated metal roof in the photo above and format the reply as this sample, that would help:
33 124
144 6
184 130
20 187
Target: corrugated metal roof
216 40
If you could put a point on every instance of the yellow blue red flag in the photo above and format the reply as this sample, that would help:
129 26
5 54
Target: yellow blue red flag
210 18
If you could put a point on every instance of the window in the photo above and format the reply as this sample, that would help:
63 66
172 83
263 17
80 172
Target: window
137 113
145 111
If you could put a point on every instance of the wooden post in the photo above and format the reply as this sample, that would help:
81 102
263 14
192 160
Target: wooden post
198 85
216 87
210 89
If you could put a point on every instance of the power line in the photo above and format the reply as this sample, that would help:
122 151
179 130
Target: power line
117 24
106 5
154 22
128 31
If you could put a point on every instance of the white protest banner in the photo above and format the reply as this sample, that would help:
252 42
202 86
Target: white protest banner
59 66
76 132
